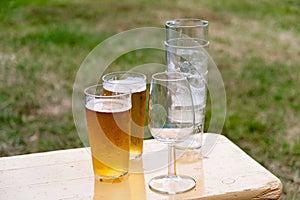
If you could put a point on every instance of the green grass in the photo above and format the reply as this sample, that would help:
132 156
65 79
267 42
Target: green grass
255 44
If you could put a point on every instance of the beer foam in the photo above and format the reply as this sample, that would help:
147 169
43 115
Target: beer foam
108 105
136 84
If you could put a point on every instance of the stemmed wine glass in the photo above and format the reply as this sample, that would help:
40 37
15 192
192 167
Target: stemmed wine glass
171 121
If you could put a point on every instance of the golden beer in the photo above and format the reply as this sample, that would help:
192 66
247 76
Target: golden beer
115 82
138 109
108 122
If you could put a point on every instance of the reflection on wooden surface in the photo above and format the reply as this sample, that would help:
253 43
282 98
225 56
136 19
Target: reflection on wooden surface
136 185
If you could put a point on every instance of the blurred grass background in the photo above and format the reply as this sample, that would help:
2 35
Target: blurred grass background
254 43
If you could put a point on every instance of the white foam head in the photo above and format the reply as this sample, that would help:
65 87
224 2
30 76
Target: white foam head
136 84
108 105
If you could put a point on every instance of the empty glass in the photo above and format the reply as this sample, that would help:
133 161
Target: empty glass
197 29
171 121
186 45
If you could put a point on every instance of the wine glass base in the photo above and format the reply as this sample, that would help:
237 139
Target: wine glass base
176 184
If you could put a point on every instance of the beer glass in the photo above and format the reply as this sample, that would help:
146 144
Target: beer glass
137 83
171 121
186 51
108 123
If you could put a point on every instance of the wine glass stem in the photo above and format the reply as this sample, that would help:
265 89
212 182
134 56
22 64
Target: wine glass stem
171 160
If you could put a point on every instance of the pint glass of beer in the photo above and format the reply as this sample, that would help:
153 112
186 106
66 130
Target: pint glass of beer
113 82
108 122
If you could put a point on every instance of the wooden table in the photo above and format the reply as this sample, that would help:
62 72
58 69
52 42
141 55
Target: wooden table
225 172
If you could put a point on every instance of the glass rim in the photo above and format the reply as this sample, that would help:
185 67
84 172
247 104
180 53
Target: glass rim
120 94
195 46
179 23
143 76
182 77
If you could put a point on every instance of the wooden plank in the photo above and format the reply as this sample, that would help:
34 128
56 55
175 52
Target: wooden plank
226 172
